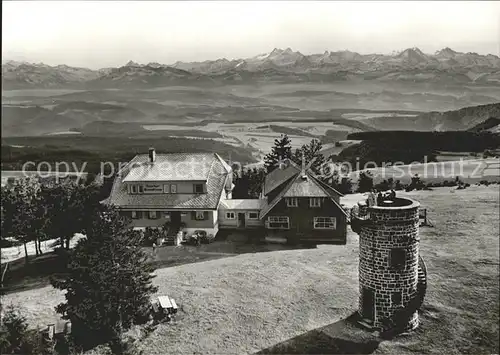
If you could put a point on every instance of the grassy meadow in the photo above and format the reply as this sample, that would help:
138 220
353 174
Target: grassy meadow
246 302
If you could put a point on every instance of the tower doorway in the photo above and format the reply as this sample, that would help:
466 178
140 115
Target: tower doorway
368 304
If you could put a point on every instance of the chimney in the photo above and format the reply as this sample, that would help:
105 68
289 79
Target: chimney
152 155
303 171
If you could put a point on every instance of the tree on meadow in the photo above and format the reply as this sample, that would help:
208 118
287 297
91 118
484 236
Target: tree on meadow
23 216
344 186
281 151
68 205
108 284
16 338
313 156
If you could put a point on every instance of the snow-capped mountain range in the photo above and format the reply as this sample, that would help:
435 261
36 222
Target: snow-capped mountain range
287 65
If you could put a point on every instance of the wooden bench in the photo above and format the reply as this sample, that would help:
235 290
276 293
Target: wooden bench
164 306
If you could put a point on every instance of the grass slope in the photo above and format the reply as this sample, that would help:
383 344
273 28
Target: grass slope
249 302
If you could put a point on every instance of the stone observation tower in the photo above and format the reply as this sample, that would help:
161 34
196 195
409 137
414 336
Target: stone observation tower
392 275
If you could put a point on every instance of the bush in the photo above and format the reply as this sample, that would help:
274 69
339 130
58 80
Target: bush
385 185
15 338
416 184
365 182
399 185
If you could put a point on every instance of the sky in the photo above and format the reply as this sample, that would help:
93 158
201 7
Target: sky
110 33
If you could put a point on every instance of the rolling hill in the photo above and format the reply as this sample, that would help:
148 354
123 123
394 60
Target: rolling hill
34 120
458 120
492 124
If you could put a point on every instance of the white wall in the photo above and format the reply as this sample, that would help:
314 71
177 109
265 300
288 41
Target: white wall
233 223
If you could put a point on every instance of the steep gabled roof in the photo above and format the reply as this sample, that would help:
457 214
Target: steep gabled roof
215 181
305 188
279 176
171 167
269 206
328 187
297 187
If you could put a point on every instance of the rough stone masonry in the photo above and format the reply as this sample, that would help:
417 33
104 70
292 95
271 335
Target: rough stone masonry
388 263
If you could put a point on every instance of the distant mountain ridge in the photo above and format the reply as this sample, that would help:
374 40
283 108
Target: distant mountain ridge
282 65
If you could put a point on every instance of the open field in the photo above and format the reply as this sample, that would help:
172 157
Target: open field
355 105
245 303
260 136
470 170
245 116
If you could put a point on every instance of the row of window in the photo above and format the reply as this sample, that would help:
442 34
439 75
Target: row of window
283 222
197 215
250 215
294 202
167 188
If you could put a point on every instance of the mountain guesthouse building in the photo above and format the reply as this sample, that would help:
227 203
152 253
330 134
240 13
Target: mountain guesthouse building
193 191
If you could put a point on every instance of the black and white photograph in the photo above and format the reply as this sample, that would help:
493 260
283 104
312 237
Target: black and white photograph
250 177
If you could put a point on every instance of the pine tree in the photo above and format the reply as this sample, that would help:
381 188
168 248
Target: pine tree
16 338
109 283
312 155
281 151
68 205
256 179
22 212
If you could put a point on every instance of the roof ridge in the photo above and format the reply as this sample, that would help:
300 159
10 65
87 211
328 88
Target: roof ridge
223 162
269 176
172 153
126 168
322 185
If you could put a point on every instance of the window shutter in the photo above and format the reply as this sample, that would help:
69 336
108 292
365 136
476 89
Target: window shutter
205 215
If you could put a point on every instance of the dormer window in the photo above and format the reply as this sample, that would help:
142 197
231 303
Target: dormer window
292 202
198 188
315 202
